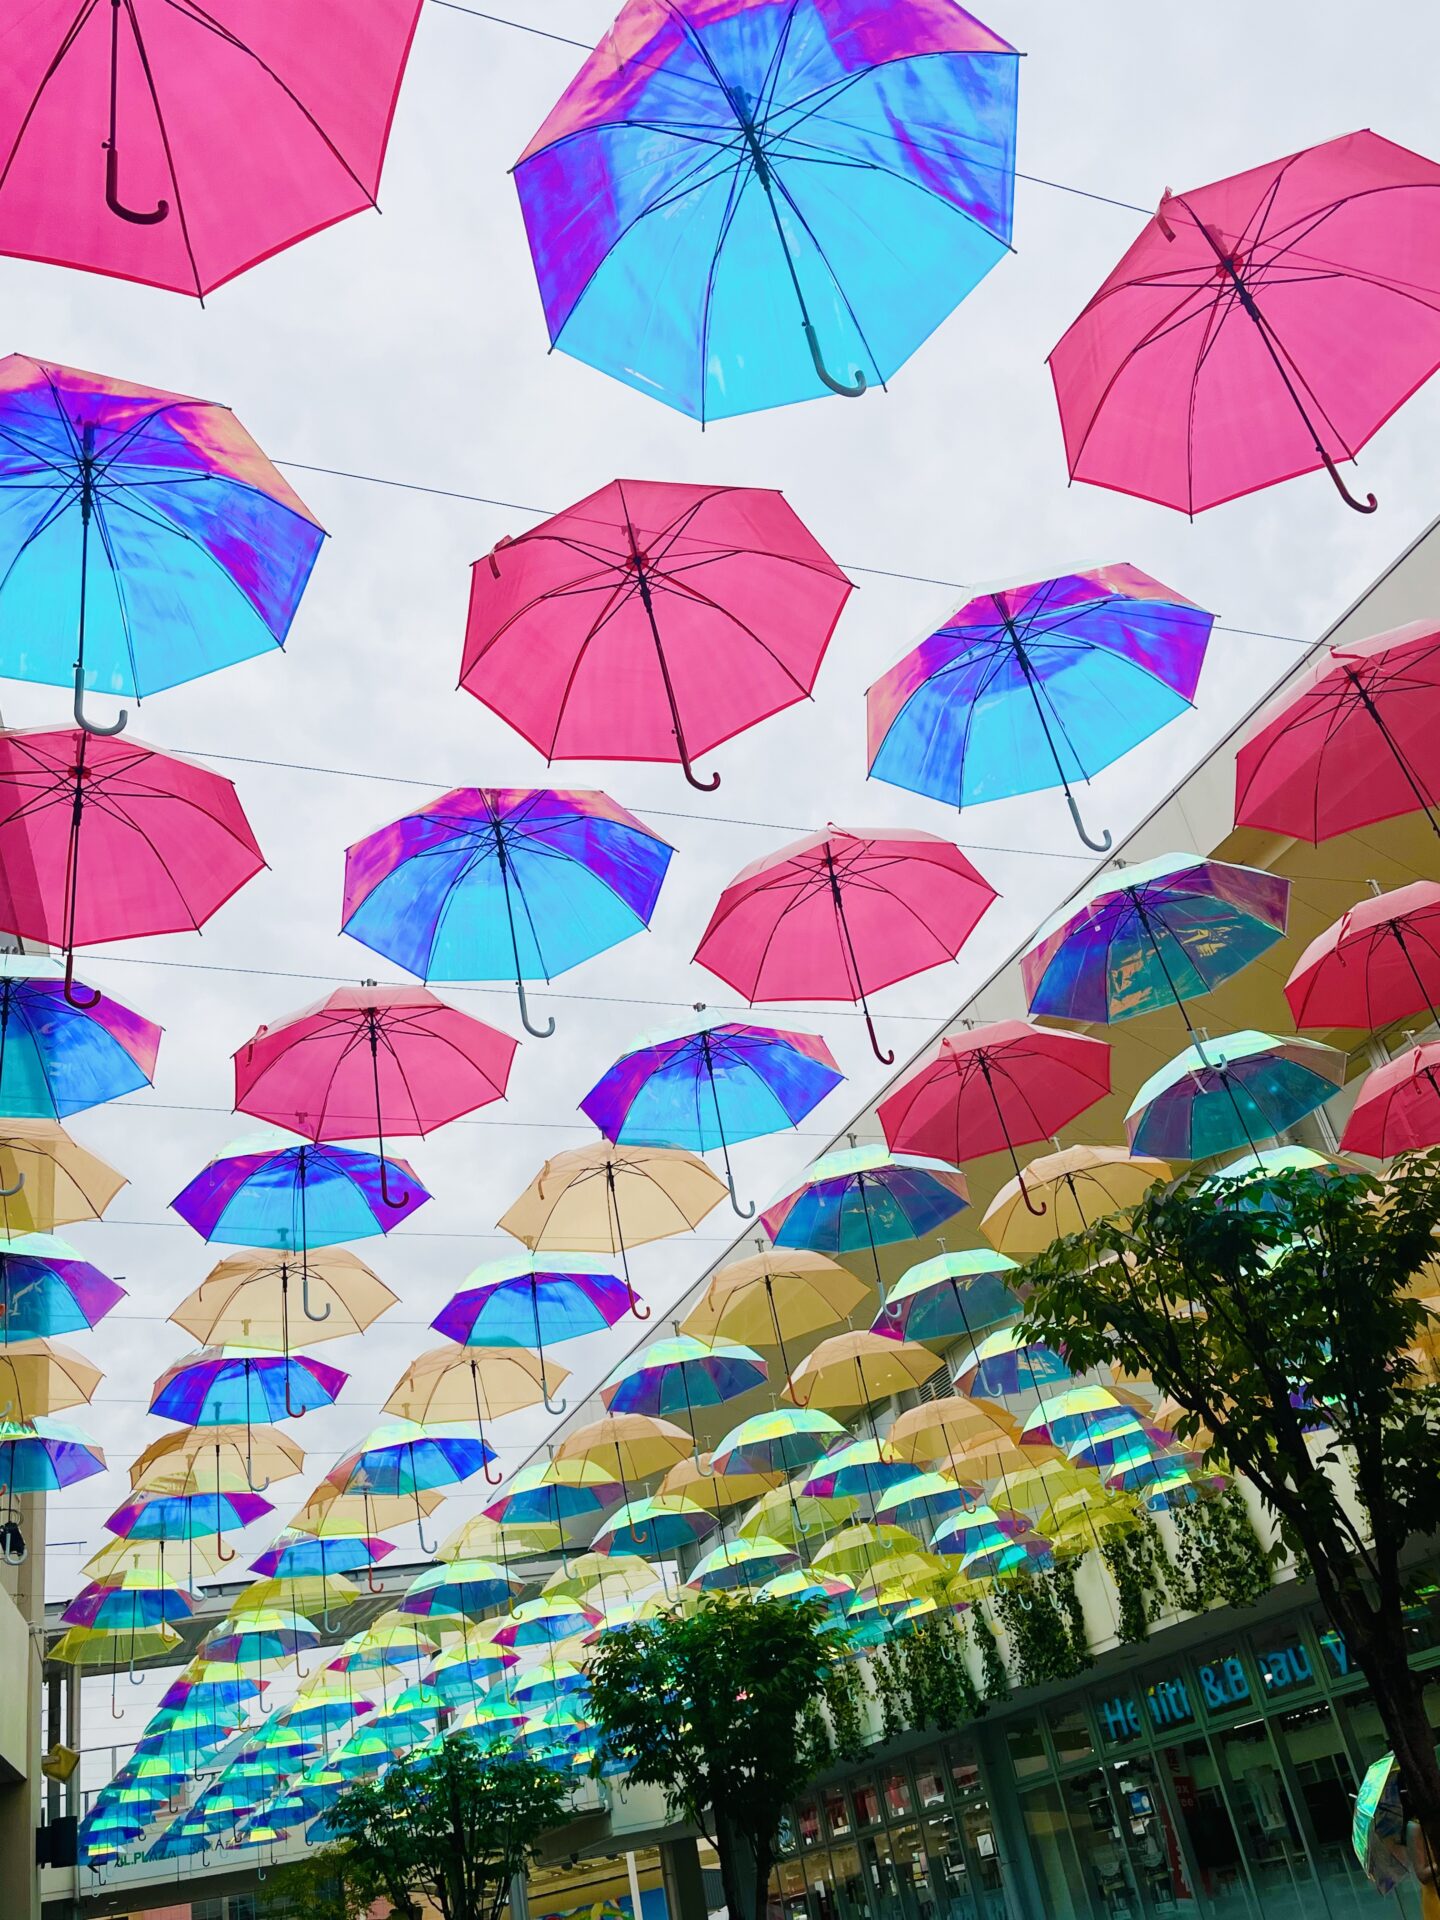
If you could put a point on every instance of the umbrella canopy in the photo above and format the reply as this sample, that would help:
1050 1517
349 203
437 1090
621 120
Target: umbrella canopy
263 1192
1037 686
503 883
212 1459
950 1428
638 1446
292 1555
736 212
216 1388
471 1383
742 1563
339 1508
47 1181
607 1199
548 1493
1379 962
1077 1186
525 1303
1378 1829
230 134
778 1441
407 1458
107 839
58 1057
165 1515
245 1301
867 1197
924 1499
653 1526
41 1455
39 1376
851 1370
1232 1092
1398 1108
789 1514
369 1061
1007 1362
1155 935
776 1294
710 1089
1216 359
1351 744
271 1635
699 1480
839 915
710 607
993 1089
46 1287
950 1295
466 1588
680 1374
863 1468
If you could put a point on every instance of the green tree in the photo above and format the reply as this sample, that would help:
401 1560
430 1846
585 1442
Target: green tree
711 1706
1285 1331
320 1885
455 1825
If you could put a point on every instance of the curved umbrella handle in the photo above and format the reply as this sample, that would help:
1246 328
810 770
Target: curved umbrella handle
1095 846
885 1059
492 1479
1037 1207
295 1413
1368 505
538 1033
136 1679
93 726
116 1713
553 1410
425 1546
9 1193
746 1212
700 786
161 211
305 1291
371 1583
390 1201
83 1006
700 1466
223 1553
850 390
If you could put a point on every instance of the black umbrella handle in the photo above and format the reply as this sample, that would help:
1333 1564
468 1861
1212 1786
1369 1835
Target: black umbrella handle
161 210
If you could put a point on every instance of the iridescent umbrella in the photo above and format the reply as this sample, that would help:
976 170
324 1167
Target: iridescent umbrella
683 1372
778 1441
926 1498
513 1303
652 1526
1077 1186
856 1467
707 1090
1250 1181
777 1294
1078 1413
59 1056
216 1388
950 1295
465 1588
552 1492
119 1605
742 1563
699 1480
46 1287
450 1384
292 1555
549 1680
44 1455
867 1197
270 1635
1008 1361
265 1192
407 1458
1235 1091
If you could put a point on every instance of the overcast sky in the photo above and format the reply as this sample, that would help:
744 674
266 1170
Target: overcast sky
412 345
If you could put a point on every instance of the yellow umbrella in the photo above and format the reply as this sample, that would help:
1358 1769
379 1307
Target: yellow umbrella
266 1300
949 1428
213 1459
602 1575
1076 1186
119 1557
330 1514
779 1294
471 1384
1041 1486
48 1180
638 1445
312 1593
607 1198
790 1516
690 1479
853 1369
855 1550
480 1538
41 1376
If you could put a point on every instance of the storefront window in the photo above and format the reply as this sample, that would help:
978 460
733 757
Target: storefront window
1334 1654
1223 1681
929 1786
898 1804
964 1774
865 1798
1321 1769
1119 1718
837 1813
1196 1793
1027 1749
1264 1818
1070 1736
1285 1664
807 1818
1053 1853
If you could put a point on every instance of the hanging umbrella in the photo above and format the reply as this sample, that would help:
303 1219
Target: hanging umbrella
637 1446
145 1556
1235 1091
730 220
510 1303
1398 1108
839 915
543 1622
1261 327
1379 962
43 1455
120 1605
710 607
1379 1828
1077 1186
949 1429
294 1556
607 1199
105 839
697 1479
981 1529
1078 1413
1006 1362
146 539
46 1287
212 1459
710 1089
777 1294
869 1198
548 1493
465 1383
268 1636
408 1458
1351 744
463 1588
230 135
680 1374
993 1089
1155 935
503 884
652 1526
950 1295
853 1370
791 1515
925 1499
264 1192
856 1468
778 1441
39 1376
1251 1181
244 1301
858 1549
592 1578
369 1060
166 1516
1035 686
338 1509
217 1388
57 1058
46 1181
741 1563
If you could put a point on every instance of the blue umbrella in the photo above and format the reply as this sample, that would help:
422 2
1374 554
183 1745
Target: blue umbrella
503 884
59 1055
1232 1092
866 1197
710 1089
731 206
266 1192
47 1288
1037 686
509 1303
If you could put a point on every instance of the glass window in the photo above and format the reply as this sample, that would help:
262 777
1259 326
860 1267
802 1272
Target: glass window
898 1803
1285 1664
837 1813
1326 1781
1422 1617
865 1798
1223 1680
807 1818
1070 1736
949 1871
1169 1702
929 1786
1027 1749
1119 1719
1334 1654
1198 1797
964 1773
1053 1854
1260 1806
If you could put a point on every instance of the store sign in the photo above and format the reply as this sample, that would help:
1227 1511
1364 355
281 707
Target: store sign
1169 1703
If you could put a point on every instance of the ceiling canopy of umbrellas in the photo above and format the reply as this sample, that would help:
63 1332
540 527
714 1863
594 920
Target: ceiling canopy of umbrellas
708 225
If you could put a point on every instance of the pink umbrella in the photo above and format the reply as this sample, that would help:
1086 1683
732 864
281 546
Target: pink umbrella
1399 1106
651 621
1258 328
1379 962
228 129
368 1061
995 1089
104 838
1353 743
839 915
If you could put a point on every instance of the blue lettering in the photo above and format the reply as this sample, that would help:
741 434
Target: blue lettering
1120 1717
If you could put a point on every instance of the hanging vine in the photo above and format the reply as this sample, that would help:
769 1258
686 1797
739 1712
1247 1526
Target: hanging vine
1139 1566
812 1735
1219 1556
939 1689
995 1679
845 1696
890 1691
1045 1625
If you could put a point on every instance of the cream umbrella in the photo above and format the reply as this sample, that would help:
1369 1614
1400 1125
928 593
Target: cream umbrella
1077 1186
465 1384
48 1181
213 1460
778 1294
851 1370
42 1376
261 1299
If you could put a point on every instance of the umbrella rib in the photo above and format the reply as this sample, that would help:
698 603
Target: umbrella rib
668 582
68 39
740 179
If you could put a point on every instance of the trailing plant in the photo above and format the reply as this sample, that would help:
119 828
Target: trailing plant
845 1696
1061 1582
891 1691
1140 1569
1219 1556
995 1677
929 1664
812 1734
1041 1615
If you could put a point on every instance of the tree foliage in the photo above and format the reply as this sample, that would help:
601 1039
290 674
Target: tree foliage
1285 1330
712 1706
454 1825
